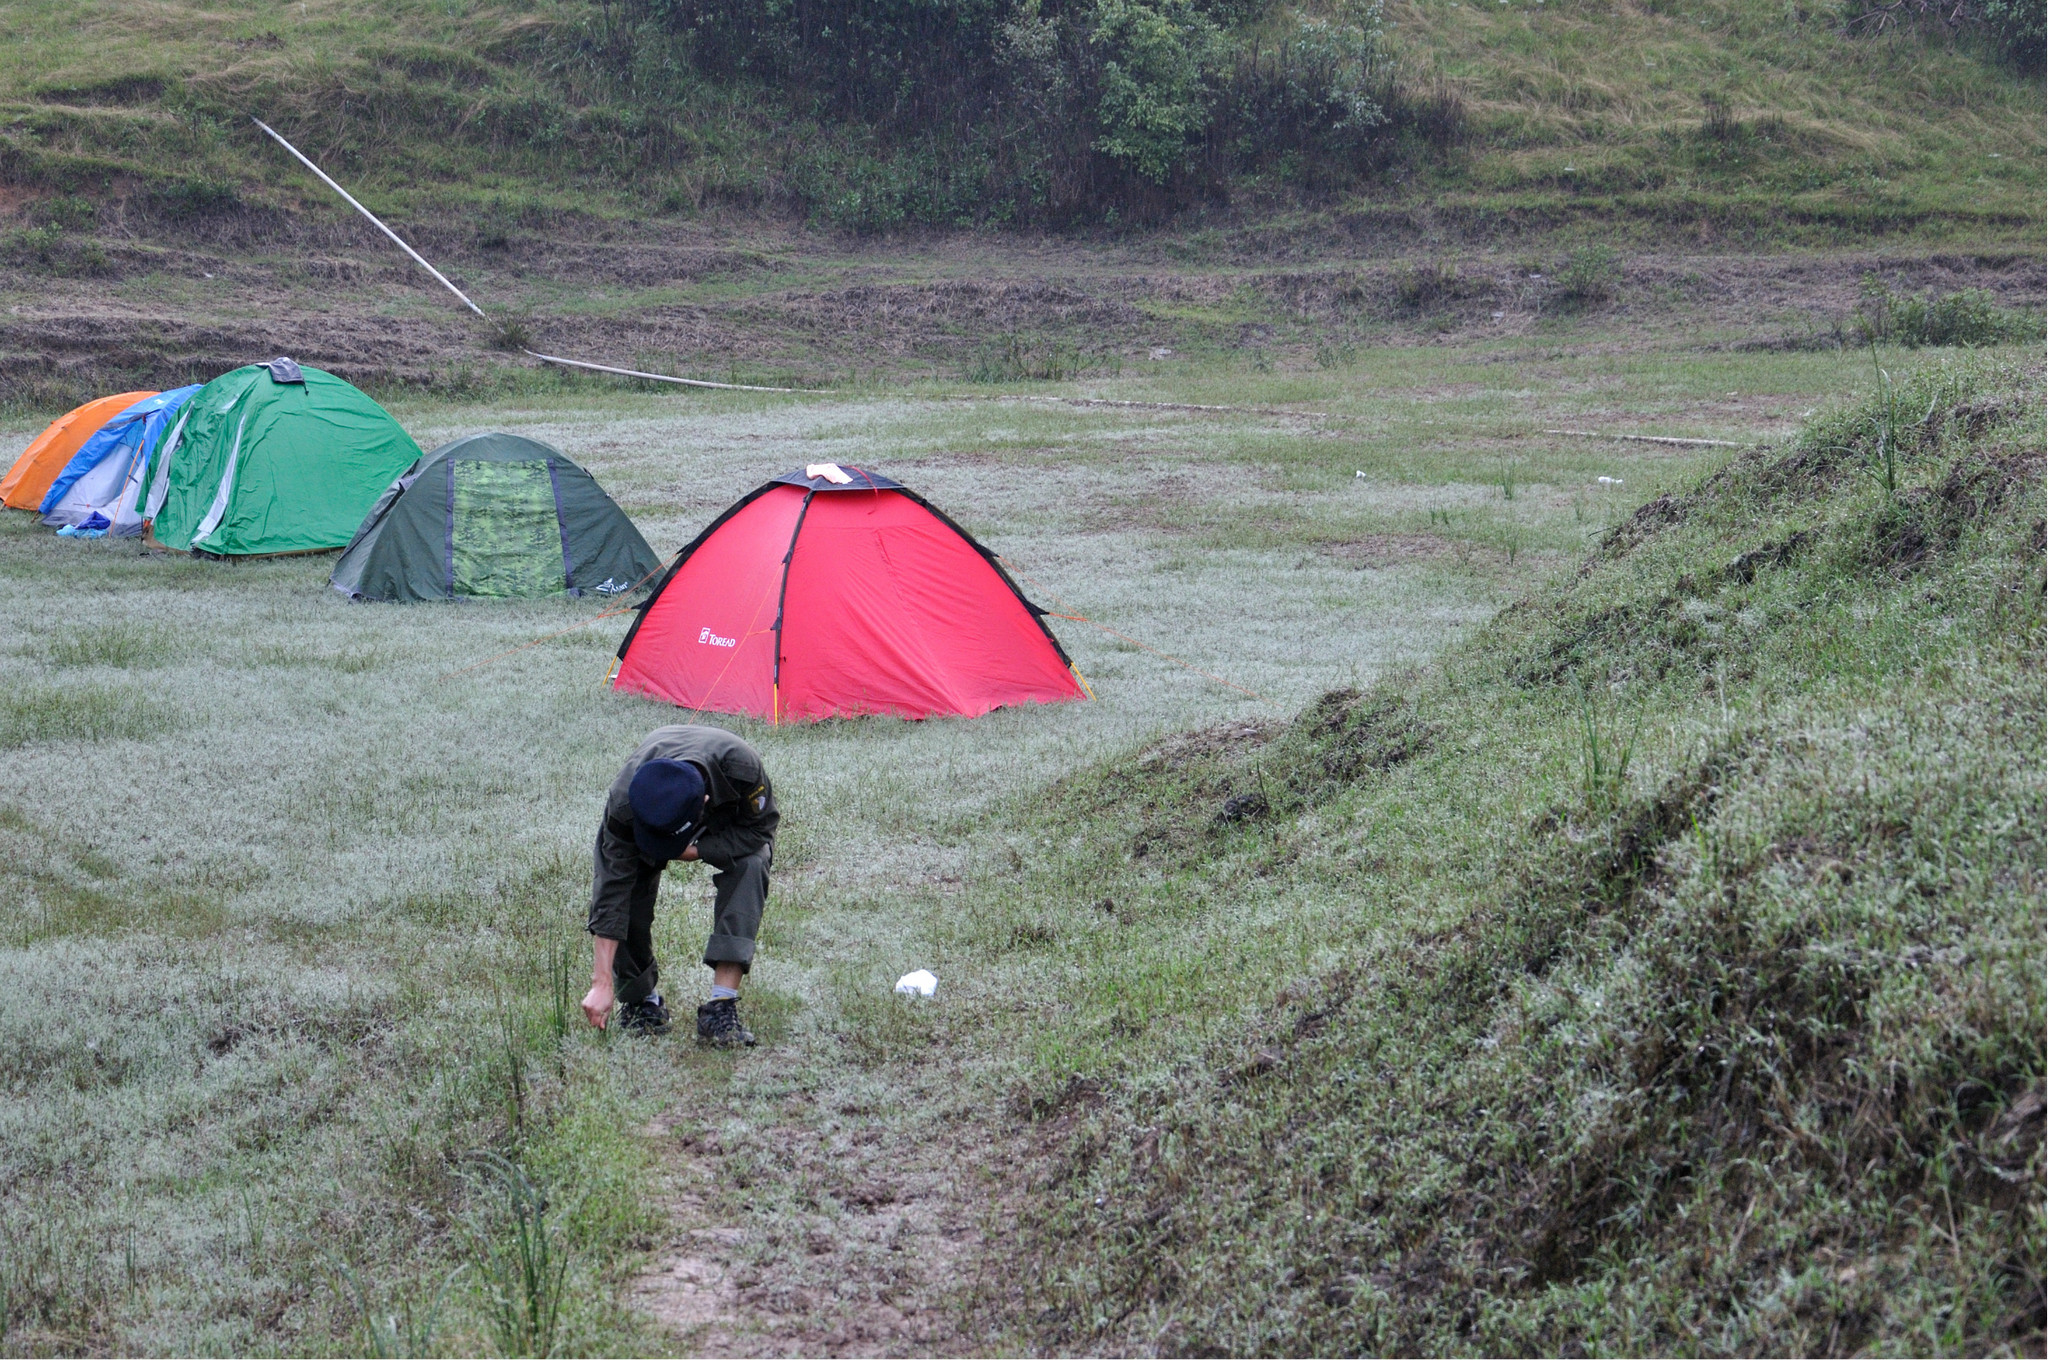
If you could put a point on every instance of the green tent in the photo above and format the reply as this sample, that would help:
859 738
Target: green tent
498 516
273 458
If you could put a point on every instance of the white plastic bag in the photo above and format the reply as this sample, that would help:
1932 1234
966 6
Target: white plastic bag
920 983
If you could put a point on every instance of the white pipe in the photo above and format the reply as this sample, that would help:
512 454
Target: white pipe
417 257
663 377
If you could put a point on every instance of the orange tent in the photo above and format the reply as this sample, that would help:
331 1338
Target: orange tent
33 473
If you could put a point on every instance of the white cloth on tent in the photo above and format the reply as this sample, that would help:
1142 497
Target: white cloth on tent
160 480
126 512
99 487
219 508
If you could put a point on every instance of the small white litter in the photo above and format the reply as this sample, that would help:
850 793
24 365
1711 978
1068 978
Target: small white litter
1360 474
920 983
1611 481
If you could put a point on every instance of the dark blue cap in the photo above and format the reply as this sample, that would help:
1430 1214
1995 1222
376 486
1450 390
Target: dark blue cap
667 797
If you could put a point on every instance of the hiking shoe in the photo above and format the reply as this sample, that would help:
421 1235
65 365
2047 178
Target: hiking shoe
645 1017
718 1024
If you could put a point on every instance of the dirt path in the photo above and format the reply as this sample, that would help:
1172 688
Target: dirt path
818 1225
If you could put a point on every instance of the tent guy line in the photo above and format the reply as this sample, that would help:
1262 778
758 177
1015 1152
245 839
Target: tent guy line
421 260
1020 396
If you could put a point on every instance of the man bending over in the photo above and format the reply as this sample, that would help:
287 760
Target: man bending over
688 793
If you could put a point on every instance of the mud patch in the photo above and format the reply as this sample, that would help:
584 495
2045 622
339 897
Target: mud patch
1184 748
854 1234
1391 550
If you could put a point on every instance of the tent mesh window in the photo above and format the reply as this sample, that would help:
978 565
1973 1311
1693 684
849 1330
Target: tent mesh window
506 541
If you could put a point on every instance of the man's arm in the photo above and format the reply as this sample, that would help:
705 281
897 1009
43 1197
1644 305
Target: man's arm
597 1002
611 889
617 866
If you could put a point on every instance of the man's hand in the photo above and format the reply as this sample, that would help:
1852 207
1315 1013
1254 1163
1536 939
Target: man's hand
597 1002
690 853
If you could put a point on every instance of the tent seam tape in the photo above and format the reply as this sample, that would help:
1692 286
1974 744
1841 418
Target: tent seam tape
782 601
561 529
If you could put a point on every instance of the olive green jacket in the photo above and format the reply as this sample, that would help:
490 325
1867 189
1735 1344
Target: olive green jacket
740 820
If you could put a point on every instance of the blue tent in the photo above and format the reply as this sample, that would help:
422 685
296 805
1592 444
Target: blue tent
105 477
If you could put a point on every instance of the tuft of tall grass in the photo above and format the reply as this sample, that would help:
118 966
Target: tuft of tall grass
53 1284
1604 753
401 1330
119 646
1016 359
80 713
512 1051
511 331
565 1010
1422 287
521 1264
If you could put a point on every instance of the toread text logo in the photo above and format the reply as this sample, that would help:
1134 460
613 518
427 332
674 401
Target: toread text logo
711 639
611 587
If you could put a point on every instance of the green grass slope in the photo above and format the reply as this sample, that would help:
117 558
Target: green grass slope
1661 971
1744 116
1723 118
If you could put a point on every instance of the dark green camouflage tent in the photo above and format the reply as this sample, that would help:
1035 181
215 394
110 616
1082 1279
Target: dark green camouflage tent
495 516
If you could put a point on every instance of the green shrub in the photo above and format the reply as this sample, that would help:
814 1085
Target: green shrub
1588 276
2010 31
1006 109
2018 30
1969 316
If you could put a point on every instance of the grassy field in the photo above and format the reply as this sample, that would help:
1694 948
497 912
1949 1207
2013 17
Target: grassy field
293 899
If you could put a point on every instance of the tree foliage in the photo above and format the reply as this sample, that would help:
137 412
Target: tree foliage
1048 108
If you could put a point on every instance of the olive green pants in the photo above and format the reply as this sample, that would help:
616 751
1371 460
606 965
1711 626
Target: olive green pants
739 895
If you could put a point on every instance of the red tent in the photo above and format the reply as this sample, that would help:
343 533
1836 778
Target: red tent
833 592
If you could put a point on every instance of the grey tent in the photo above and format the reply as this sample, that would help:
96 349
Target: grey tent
496 516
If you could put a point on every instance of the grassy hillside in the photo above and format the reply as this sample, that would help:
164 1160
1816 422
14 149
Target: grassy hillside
1740 116
1659 972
